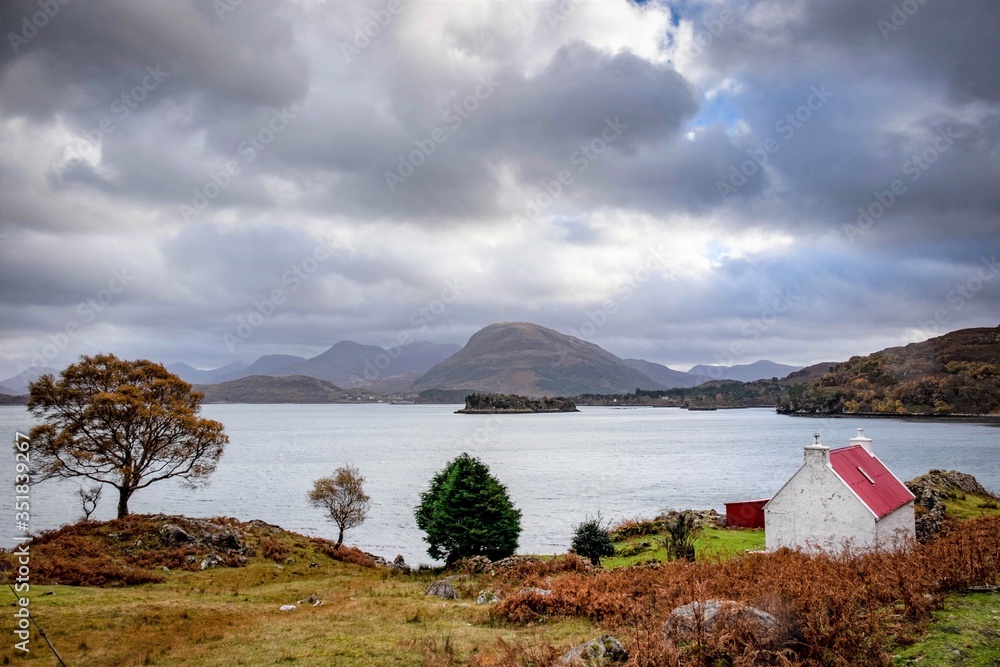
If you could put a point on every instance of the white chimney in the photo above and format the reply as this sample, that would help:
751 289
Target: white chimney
817 455
860 439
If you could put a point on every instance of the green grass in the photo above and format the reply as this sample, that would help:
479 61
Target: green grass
712 543
966 632
963 507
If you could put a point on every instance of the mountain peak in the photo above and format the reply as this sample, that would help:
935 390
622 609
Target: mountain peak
532 360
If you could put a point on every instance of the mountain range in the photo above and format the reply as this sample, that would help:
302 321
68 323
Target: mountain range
758 370
508 357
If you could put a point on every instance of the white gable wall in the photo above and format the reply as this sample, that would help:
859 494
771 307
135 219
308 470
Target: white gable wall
815 510
897 527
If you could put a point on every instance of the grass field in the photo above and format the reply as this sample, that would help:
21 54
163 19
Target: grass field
231 616
712 543
966 632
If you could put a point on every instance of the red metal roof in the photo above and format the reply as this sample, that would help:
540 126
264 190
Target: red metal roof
870 479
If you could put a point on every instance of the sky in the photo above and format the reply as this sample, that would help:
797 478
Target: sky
685 182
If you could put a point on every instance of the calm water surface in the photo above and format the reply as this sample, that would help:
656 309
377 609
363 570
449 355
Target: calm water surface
558 467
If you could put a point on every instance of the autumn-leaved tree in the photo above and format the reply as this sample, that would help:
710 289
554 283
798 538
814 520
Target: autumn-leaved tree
123 423
343 497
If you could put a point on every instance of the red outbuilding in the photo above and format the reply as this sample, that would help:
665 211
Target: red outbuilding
746 513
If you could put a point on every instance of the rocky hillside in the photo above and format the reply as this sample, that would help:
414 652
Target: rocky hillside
530 360
954 374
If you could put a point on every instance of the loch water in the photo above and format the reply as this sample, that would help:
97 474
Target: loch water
558 468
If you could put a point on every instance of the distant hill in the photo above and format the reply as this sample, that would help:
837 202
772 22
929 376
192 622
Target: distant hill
269 364
531 360
11 399
664 375
18 385
353 364
266 389
198 376
758 370
957 373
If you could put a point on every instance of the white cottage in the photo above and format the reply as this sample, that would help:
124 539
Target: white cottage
840 497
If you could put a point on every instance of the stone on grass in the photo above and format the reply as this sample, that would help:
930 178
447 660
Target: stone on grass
603 650
442 589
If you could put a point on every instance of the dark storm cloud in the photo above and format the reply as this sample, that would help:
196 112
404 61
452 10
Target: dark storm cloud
913 100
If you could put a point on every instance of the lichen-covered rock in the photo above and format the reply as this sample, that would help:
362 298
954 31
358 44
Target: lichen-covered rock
487 596
442 588
603 650
173 535
688 620
211 560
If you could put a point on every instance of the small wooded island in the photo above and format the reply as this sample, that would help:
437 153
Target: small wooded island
489 404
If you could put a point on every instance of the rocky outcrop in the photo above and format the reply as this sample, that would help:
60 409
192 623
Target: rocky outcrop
941 484
600 651
934 490
397 564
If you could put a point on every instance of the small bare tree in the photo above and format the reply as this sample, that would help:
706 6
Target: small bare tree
343 497
89 499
